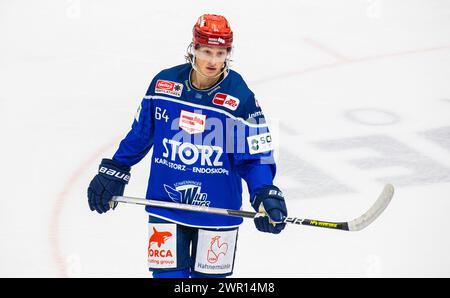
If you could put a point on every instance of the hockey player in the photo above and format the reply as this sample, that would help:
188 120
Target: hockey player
208 133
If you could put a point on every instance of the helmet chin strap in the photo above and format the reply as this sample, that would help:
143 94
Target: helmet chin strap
192 61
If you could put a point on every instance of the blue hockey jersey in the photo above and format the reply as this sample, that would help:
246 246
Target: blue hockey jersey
204 143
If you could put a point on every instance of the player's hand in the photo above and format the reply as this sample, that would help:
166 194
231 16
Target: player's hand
110 181
269 200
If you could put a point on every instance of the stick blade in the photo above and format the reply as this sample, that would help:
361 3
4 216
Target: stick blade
375 210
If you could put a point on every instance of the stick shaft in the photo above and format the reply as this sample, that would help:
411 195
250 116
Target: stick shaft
357 224
195 208
227 212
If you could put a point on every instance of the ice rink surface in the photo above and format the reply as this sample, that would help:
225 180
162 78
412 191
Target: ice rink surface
358 94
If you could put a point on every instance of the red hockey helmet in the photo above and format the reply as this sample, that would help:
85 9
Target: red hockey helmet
213 30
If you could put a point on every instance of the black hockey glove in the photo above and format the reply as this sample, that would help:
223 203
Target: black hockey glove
110 181
269 199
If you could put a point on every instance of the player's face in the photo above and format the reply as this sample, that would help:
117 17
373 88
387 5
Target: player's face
210 60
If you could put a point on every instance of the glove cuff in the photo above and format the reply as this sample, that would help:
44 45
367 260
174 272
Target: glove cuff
113 170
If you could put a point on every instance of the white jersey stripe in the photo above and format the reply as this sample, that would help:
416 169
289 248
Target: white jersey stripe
206 108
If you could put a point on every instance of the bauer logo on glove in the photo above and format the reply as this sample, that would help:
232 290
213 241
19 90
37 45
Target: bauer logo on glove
114 173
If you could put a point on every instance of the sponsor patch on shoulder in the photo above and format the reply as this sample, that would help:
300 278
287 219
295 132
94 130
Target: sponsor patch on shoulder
227 101
260 143
169 87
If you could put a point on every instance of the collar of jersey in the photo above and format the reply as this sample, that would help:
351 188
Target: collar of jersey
225 74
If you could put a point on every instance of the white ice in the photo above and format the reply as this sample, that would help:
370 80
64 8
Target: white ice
358 93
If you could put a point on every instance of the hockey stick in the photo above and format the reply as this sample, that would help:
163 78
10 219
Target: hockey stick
357 224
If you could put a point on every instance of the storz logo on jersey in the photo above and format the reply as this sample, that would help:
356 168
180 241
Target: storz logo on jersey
260 143
191 154
227 101
187 192
168 87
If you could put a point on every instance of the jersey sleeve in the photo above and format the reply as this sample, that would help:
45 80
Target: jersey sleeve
253 156
139 140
